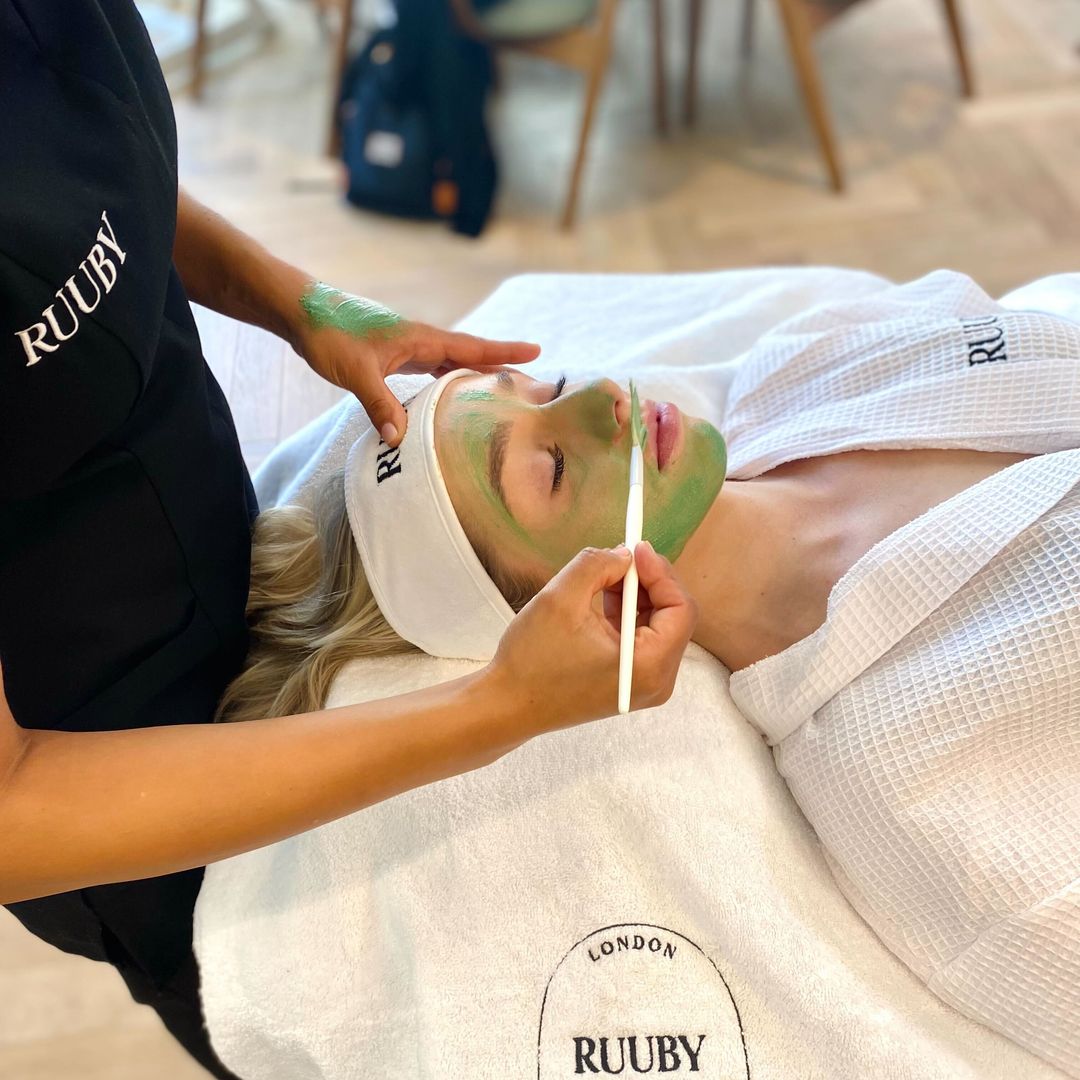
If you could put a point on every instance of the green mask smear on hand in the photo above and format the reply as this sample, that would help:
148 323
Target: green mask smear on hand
326 306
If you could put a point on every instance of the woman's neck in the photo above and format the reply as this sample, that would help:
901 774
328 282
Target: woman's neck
761 566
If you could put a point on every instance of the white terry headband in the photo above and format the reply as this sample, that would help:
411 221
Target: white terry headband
422 570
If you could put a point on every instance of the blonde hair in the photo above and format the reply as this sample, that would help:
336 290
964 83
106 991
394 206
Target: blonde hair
310 609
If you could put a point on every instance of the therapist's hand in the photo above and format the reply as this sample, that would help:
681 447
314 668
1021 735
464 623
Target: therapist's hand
558 661
358 361
348 340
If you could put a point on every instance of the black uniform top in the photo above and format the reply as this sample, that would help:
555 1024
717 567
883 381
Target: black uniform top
125 506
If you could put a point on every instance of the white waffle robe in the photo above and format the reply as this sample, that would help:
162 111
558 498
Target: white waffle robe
930 728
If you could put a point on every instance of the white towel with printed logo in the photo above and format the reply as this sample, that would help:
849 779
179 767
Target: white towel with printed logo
637 895
638 877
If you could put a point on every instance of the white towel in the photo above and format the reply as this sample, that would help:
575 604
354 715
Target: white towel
460 929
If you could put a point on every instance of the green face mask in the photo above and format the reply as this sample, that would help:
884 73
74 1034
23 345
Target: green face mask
537 478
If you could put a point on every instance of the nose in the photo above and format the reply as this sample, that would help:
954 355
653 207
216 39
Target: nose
599 409
622 403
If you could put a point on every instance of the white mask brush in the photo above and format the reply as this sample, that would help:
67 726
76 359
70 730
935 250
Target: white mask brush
635 512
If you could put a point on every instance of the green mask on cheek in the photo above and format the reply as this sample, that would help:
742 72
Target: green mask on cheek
678 499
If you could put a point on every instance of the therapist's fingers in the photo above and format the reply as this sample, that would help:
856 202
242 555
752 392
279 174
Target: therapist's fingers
589 572
613 606
448 349
613 602
657 580
558 662
387 413
658 574
659 642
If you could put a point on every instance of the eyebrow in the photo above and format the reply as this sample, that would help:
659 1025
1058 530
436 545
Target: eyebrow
500 438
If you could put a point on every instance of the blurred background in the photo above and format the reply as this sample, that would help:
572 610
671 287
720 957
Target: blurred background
897 136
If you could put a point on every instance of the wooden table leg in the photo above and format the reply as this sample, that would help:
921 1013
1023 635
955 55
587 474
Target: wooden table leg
956 33
595 71
690 88
198 51
798 34
341 58
659 68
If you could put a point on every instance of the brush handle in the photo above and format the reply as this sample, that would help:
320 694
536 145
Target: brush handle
628 626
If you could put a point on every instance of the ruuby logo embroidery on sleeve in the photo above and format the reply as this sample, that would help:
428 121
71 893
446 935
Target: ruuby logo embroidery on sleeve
94 278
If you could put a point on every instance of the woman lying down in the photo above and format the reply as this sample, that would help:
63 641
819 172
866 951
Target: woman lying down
885 554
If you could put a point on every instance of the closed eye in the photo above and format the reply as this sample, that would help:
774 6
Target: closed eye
560 467
556 453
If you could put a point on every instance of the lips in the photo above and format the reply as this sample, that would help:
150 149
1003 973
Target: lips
664 423
669 422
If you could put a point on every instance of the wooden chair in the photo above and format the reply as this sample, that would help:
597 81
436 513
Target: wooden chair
341 59
256 21
198 51
801 20
583 42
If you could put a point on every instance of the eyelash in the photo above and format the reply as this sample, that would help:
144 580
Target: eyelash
556 453
560 466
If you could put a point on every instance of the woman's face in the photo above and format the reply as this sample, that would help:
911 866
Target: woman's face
537 471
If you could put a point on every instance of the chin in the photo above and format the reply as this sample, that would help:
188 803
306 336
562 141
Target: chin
710 443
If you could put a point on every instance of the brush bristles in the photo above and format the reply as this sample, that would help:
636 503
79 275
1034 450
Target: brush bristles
637 426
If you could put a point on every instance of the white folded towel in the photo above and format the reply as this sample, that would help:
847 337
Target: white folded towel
646 877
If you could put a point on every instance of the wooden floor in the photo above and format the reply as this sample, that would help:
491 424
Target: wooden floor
990 187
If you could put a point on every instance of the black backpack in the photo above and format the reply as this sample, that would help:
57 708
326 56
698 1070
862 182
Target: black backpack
413 132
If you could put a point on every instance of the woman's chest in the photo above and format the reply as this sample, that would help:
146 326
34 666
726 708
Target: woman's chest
873 493
868 495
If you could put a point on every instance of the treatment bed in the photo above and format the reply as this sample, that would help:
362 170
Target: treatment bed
638 895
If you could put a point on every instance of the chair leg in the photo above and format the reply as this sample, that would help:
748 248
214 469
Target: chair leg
341 57
198 51
690 87
659 68
605 28
746 36
798 38
956 33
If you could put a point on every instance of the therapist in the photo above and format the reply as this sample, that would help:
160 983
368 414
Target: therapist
125 514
